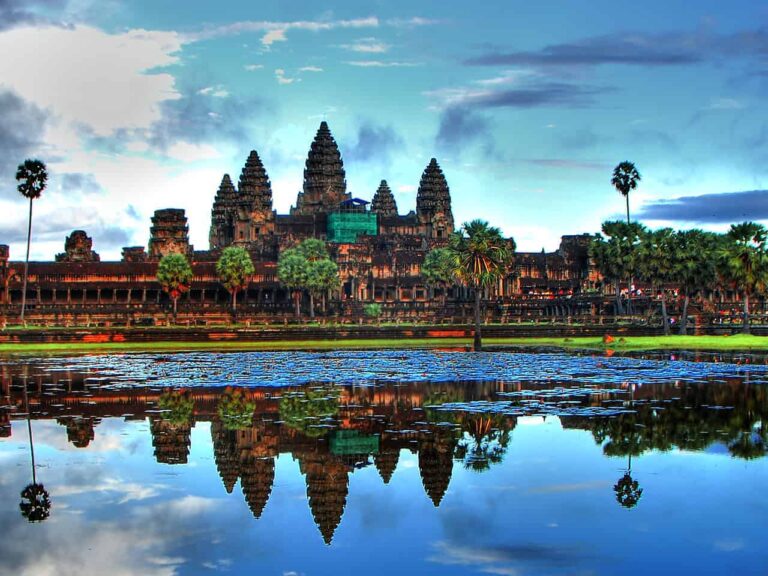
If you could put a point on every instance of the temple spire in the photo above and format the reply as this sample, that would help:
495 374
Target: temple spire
254 185
433 202
325 185
383 201
222 216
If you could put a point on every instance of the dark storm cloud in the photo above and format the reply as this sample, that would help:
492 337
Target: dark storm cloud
18 12
198 117
21 126
711 208
540 95
459 127
374 143
672 49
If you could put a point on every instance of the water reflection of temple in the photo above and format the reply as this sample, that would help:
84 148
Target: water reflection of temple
334 431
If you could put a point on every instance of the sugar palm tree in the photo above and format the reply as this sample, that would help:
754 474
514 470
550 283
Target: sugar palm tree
615 254
481 258
655 257
235 269
175 276
694 266
625 178
744 261
32 177
35 503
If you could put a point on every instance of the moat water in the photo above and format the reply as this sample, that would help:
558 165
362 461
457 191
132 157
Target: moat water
396 462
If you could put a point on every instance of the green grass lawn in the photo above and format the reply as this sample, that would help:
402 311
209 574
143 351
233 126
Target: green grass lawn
715 343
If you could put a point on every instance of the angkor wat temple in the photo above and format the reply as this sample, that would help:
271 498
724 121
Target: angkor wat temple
378 250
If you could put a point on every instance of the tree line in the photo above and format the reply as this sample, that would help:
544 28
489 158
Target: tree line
693 262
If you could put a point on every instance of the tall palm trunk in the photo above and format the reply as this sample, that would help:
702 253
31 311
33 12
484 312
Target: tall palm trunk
26 265
684 316
478 337
746 328
627 198
311 305
297 303
617 291
175 301
664 316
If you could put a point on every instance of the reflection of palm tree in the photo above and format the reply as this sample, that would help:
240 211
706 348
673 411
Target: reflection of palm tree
35 502
303 411
749 445
628 490
235 410
483 442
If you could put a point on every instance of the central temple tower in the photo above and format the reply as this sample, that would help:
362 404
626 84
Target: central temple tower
325 184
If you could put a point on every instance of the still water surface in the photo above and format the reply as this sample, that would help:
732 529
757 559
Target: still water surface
397 462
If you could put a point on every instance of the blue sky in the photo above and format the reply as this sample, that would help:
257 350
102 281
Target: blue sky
143 105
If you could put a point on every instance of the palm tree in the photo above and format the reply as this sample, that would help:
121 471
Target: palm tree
616 254
625 178
655 256
695 265
35 502
481 257
235 269
744 261
32 177
175 276
438 269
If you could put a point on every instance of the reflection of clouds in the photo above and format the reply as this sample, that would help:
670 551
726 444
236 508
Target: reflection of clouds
504 560
729 545
148 541
48 433
129 491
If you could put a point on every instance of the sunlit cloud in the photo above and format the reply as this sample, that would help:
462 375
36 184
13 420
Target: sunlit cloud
367 45
89 78
381 64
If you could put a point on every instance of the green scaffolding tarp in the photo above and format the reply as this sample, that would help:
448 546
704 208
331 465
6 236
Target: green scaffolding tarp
345 442
345 227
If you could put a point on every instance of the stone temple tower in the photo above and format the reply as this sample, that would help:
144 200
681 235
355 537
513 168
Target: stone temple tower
325 184
384 201
241 216
433 203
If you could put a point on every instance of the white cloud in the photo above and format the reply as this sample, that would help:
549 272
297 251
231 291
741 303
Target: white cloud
276 35
283 79
276 31
381 64
90 78
188 152
253 67
310 69
215 91
368 46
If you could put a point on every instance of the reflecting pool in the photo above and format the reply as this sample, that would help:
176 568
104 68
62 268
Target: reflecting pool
393 462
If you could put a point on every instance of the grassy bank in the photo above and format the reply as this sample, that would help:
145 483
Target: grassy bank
714 343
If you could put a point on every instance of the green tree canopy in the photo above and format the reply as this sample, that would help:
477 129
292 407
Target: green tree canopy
481 256
625 178
615 252
654 263
694 268
32 177
439 267
175 276
235 269
307 266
